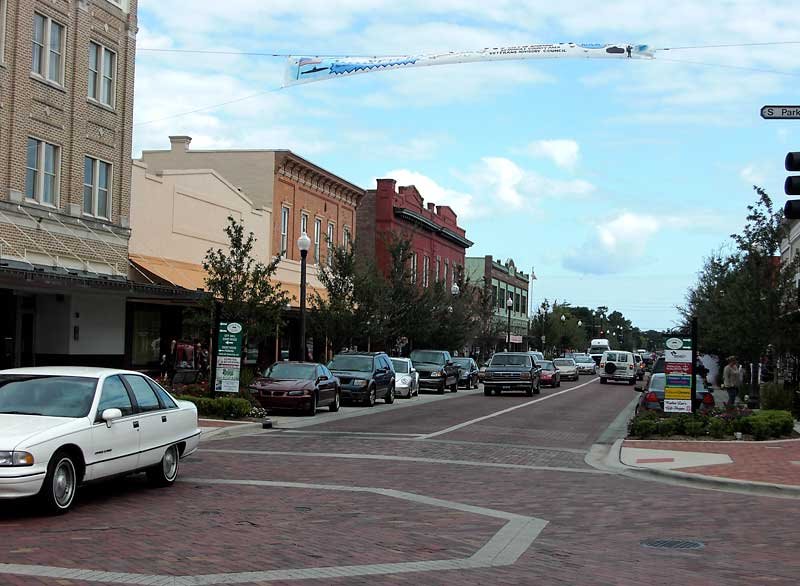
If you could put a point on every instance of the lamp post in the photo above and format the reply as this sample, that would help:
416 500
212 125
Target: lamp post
303 243
455 289
509 305
563 332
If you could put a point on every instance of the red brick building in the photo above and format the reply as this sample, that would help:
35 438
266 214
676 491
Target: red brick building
438 243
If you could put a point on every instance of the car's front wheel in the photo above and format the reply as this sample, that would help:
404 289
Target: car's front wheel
165 472
442 389
371 398
60 483
337 402
389 397
311 410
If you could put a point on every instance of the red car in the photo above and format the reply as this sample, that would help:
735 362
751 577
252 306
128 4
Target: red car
550 375
297 386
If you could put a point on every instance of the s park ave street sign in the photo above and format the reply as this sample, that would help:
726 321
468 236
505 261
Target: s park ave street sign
780 112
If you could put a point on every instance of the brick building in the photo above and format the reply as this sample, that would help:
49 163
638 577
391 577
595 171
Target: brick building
438 244
505 282
66 107
297 196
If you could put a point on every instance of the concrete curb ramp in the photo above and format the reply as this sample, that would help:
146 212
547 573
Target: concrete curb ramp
503 549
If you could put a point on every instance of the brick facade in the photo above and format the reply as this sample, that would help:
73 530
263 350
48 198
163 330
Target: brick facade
390 211
63 235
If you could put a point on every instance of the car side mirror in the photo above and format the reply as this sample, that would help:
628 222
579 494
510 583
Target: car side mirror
321 378
413 370
449 363
109 415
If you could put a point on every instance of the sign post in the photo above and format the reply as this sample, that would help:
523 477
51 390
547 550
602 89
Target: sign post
679 387
229 357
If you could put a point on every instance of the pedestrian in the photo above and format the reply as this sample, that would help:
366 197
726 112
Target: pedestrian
731 379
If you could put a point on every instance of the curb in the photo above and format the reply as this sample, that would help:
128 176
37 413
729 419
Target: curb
229 432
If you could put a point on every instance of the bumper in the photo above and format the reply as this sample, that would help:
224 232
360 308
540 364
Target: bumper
618 376
403 391
21 486
507 385
432 383
284 402
547 381
350 393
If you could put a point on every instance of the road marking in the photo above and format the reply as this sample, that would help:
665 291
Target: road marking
503 412
367 433
503 549
346 456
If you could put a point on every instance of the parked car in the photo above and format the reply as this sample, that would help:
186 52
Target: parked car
537 356
617 365
567 368
482 372
550 375
639 366
652 398
512 371
657 368
585 364
364 377
467 372
436 369
298 386
61 427
406 378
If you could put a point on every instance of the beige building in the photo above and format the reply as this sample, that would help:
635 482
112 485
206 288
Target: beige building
66 103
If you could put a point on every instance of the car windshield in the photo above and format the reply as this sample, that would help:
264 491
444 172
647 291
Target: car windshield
51 396
511 360
564 362
583 359
288 371
354 363
547 365
400 366
465 362
598 349
427 356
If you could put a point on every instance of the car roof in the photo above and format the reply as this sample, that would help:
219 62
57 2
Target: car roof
359 354
85 371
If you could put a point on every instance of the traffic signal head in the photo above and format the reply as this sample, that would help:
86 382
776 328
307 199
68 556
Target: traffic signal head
792 187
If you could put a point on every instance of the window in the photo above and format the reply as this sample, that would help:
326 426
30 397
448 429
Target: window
413 267
426 269
304 223
96 187
166 400
438 267
494 294
524 306
114 396
102 73
48 48
43 162
317 235
145 396
284 231
3 8
346 238
331 241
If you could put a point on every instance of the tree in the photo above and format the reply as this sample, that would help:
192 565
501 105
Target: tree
243 286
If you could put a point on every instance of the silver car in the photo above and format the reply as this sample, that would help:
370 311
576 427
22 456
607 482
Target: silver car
567 367
585 364
407 378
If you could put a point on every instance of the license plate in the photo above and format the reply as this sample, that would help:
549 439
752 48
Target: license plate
506 388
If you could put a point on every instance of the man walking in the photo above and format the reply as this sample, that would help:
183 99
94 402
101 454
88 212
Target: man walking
731 379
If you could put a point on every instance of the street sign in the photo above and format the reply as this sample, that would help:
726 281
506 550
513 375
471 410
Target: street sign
780 112
678 369
229 357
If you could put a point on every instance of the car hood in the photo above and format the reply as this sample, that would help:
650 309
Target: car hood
20 429
352 374
283 384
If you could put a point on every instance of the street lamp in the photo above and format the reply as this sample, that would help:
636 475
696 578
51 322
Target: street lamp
304 244
509 305
455 290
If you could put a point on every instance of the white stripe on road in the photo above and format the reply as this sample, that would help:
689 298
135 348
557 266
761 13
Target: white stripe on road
503 412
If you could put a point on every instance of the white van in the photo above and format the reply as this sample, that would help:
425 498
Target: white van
617 365
596 349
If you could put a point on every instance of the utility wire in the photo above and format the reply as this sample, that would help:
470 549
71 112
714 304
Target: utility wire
739 67
764 44
254 53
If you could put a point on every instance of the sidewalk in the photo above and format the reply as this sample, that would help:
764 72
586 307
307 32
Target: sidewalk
773 462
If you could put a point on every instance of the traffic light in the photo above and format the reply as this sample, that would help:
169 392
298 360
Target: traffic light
792 187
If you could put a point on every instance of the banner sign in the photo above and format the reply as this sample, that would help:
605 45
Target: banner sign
310 68
515 339
229 357
678 369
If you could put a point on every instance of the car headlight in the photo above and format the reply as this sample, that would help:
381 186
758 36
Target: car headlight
437 373
525 376
16 459
360 382
296 393
406 380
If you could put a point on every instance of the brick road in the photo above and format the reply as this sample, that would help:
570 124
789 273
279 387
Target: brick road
291 505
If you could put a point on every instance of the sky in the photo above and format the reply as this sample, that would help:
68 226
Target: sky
613 180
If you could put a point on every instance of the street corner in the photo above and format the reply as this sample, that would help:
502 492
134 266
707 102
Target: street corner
210 531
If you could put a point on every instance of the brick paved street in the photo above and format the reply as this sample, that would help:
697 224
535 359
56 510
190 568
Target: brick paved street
410 509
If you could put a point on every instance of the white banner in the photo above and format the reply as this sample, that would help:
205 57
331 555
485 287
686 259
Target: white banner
677 406
681 356
308 69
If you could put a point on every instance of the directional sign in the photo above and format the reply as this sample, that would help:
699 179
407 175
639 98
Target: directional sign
780 112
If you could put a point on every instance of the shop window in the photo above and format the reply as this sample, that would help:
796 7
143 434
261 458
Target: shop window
146 348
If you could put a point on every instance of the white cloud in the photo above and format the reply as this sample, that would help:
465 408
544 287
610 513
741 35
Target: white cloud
752 174
563 152
463 204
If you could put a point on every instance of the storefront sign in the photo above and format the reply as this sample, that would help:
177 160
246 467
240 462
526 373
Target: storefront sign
678 369
673 406
516 339
229 357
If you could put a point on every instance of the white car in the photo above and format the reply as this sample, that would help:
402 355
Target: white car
63 426
617 365
406 378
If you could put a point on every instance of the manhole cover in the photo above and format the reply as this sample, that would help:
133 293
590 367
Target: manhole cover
682 544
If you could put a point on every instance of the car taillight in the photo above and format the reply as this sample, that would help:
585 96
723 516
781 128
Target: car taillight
708 399
651 397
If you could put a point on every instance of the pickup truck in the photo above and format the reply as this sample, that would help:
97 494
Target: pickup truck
436 370
512 371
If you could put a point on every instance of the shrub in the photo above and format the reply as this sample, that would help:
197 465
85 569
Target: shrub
643 426
780 423
695 427
719 428
742 425
776 397
224 407
760 428
667 427
680 423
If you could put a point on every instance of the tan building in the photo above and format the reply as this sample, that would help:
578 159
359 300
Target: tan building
202 186
66 107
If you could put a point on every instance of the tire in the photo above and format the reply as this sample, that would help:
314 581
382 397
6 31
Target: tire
166 471
388 398
454 388
441 389
497 392
311 410
60 484
632 382
337 401
558 384
371 398
538 389
530 391
487 392
611 368
603 380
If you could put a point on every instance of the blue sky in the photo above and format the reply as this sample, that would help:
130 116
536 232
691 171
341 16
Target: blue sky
612 178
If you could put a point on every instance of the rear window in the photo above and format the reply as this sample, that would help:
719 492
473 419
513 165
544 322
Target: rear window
611 357
564 362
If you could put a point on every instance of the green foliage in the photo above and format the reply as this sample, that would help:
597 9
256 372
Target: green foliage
222 407
778 423
643 427
776 396
667 427
719 428
694 428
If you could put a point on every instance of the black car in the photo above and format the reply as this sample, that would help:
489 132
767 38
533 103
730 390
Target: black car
512 371
467 372
436 369
364 376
